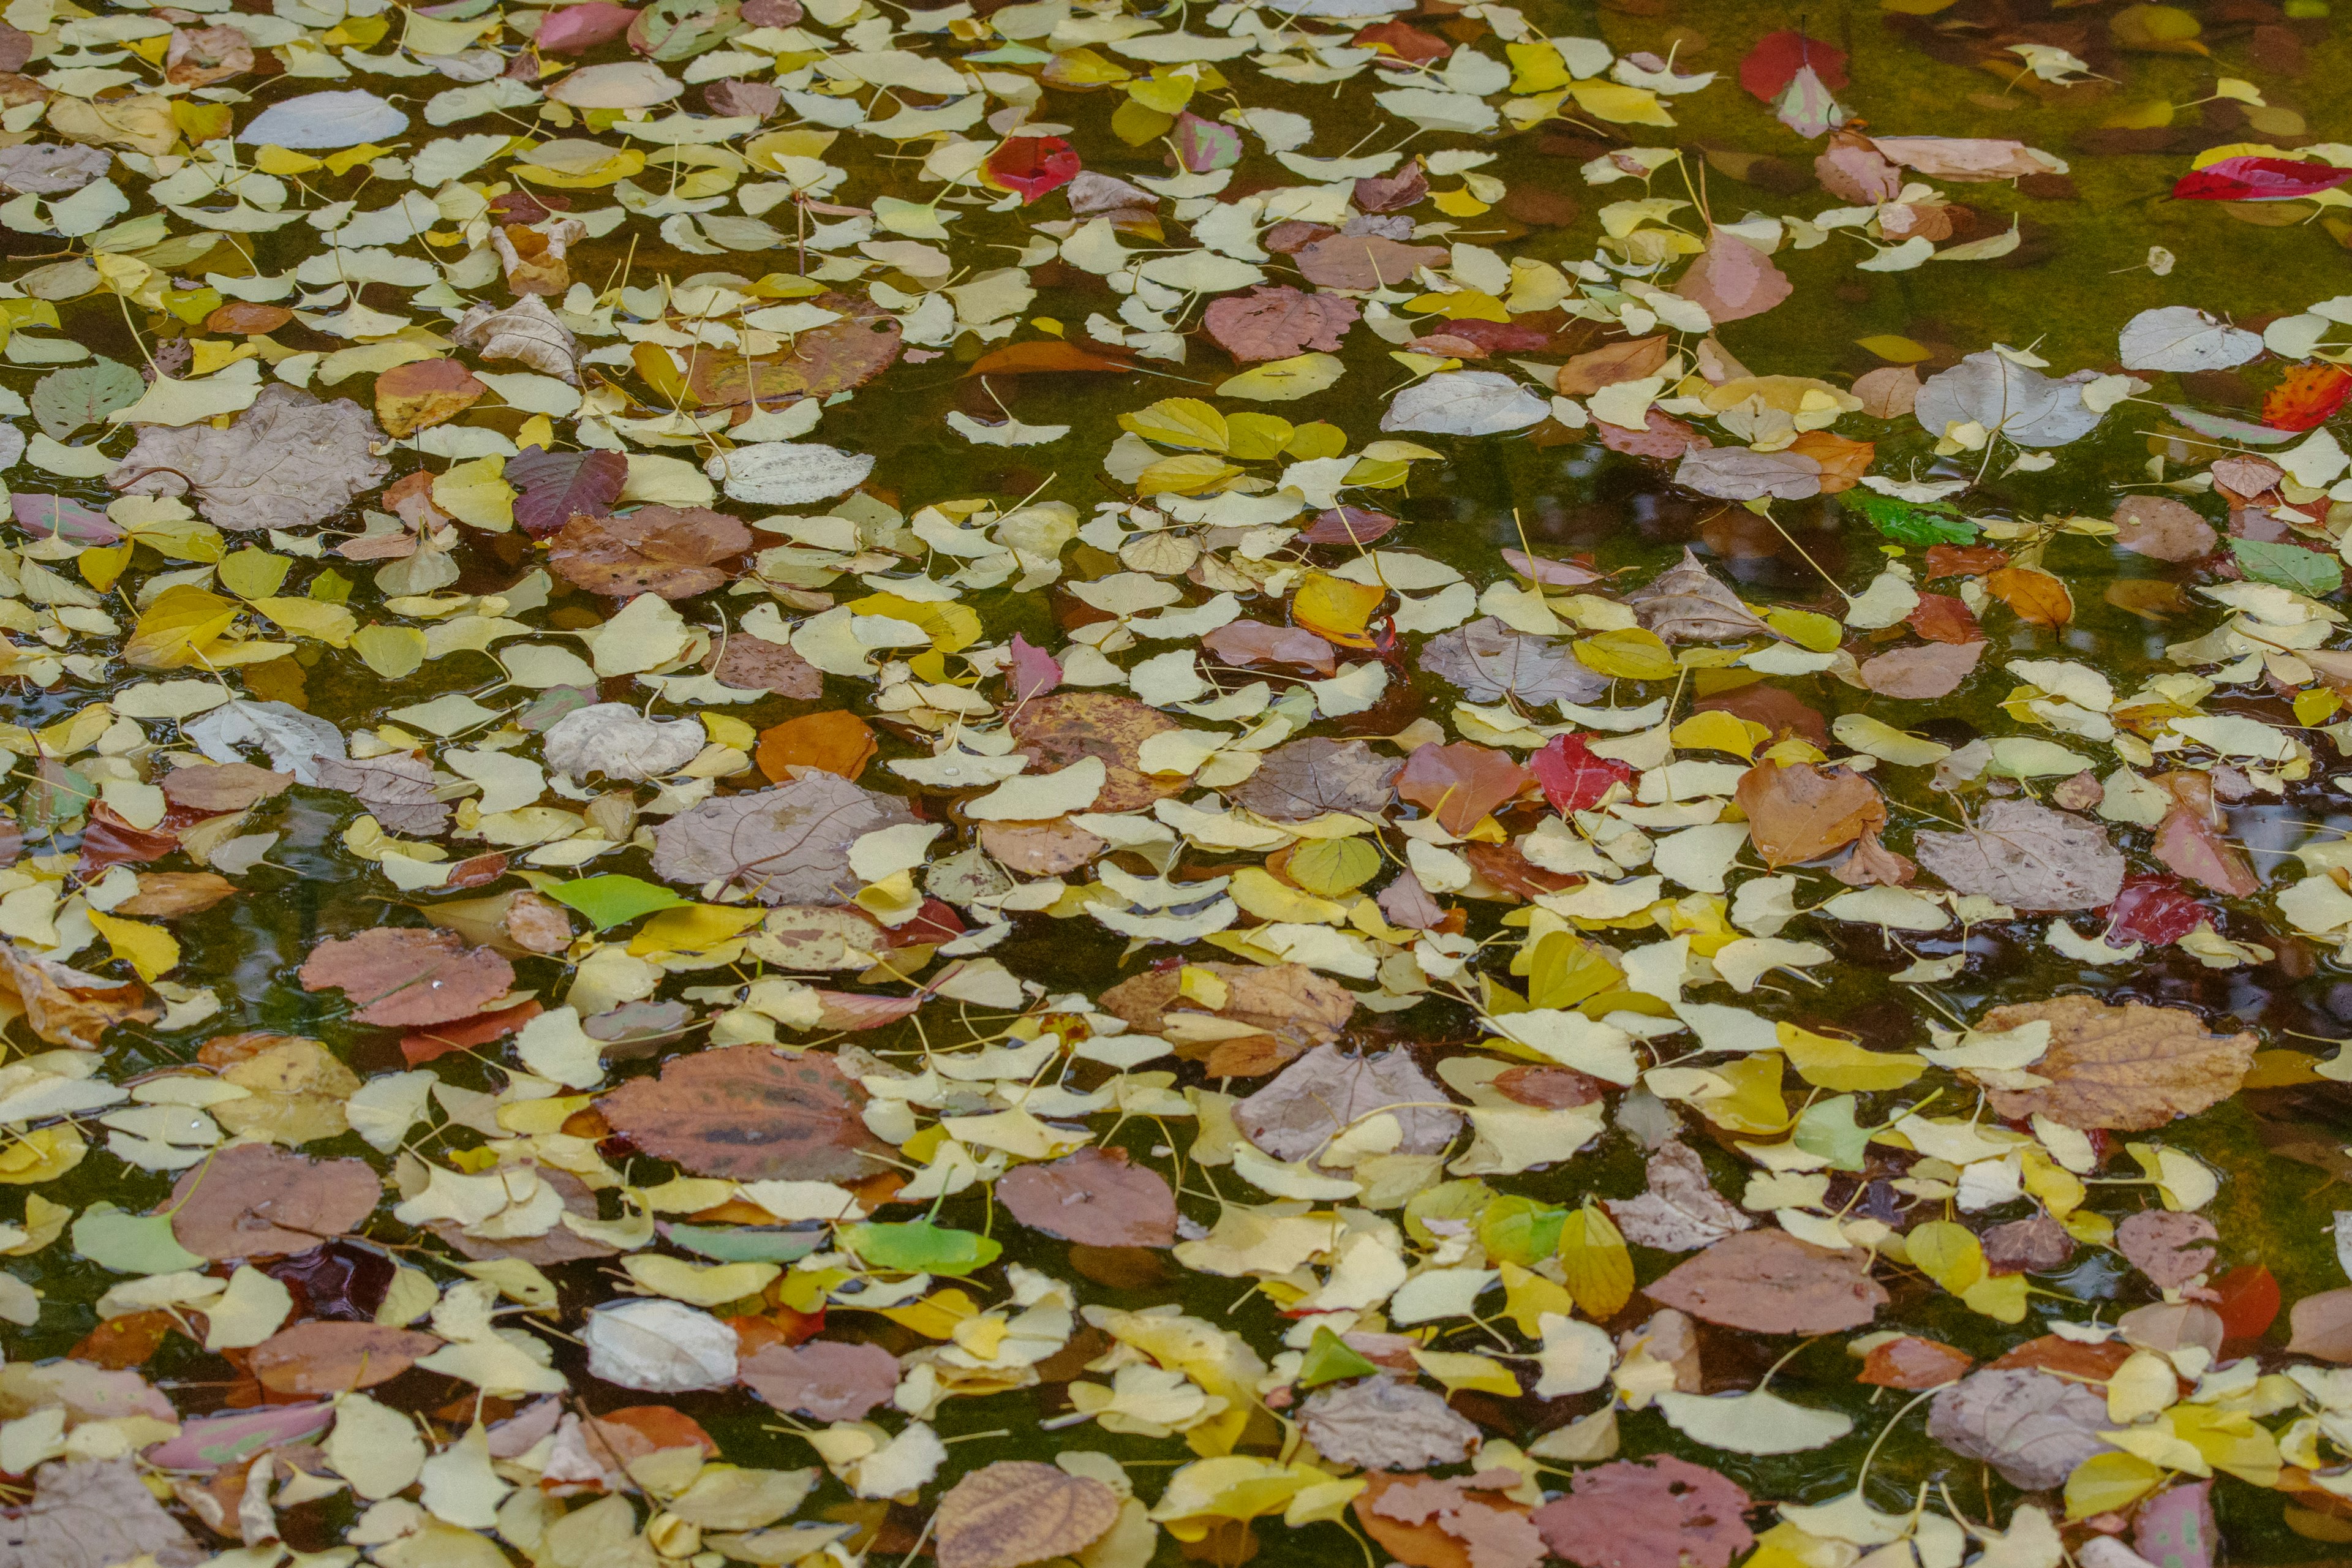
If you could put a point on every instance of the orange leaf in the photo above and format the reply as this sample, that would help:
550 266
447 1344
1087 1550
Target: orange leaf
2036 596
837 742
1842 462
1043 354
2307 398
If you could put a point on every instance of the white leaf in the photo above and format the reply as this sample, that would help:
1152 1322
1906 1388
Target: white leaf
324 119
788 473
292 737
2177 337
659 1346
1465 403
1755 1423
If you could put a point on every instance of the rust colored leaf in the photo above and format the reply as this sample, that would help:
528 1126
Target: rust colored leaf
1278 322
1093 1197
1606 367
1945 618
829 1380
1017 1511
1964 560
257 1200
245 317
1040 848
1911 1362
409 397
1890 392
2187 843
1255 642
2131 1067
1768 1282
1798 812
164 894
1732 280
2323 1326
403 975
1363 261
1056 729
754 664
2163 528
747 1114
1843 462
670 550
2172 1249
1919 674
2038 598
1662 1512
1461 784
824 360
213 787
833 742
335 1357
1288 1002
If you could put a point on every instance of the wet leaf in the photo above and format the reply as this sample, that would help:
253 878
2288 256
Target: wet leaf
1093 1197
788 845
1461 784
1662 1512
1687 603
654 550
1301 780
2028 856
2033 1427
829 1380
1015 1511
403 975
2131 1067
1382 1424
1768 1282
745 1113
1271 323
1797 812
286 462
253 1200
1921 674
1327 1094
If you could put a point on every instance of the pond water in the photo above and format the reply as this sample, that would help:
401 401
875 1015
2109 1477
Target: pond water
795 780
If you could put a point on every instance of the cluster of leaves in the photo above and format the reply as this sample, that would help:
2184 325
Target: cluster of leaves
1320 914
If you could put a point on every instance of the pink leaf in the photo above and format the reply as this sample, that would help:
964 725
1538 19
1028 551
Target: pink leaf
1035 672
2250 179
576 29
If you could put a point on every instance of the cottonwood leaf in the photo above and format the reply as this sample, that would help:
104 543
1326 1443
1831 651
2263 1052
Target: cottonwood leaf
830 1380
401 976
1734 473
2322 1325
751 663
2005 397
1921 674
820 361
257 1200
1289 1005
1278 321
2163 528
1732 280
2190 845
295 741
660 1346
1380 1424
1965 158
556 486
2131 1067
2027 855
2033 1427
1018 1512
1465 403
47 169
1572 778
1326 1093
94 1513
1686 603
788 473
286 462
745 1113
1681 1211
330 1357
670 550
618 740
2170 1249
1093 1197
1798 812
319 121
397 789
1491 662
2183 338
1768 1282
1757 1422
788 845
1662 1512
1300 780
1363 261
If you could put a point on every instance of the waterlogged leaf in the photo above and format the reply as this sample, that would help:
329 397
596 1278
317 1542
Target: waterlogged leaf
1662 1512
1768 1282
2006 398
254 1200
319 121
1301 780
2164 528
1380 1424
94 1513
556 486
1681 1211
1491 662
1687 603
1572 778
401 975
620 742
674 552
1095 1198
68 400
1732 280
1755 1423
2028 856
745 1113
1797 812
286 462
2251 178
1910 523
788 845
1920 674
2131 1067
1328 1094
1016 1511
2031 1426
1276 322
2288 565
1734 473
1461 784
2307 398
1465 403
2181 338
830 1380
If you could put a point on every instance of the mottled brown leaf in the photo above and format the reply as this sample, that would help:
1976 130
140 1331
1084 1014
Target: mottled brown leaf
747 1113
670 550
1017 1511
1093 1197
1768 1282
2131 1067
256 1200
401 976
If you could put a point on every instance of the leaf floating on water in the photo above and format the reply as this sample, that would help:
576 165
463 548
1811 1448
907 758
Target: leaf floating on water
1015 1512
2131 1067
745 1113
1769 1282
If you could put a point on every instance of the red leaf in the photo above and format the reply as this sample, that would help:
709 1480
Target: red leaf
2155 910
2249 1303
560 486
1033 166
1941 617
1573 779
2307 398
576 29
2257 180
1777 59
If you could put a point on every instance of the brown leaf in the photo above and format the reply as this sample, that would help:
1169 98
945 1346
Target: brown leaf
2323 1326
2033 1427
2028 856
1890 392
199 56
1686 603
526 332
1871 864
1918 674
1798 812
1363 261
1255 642
221 786
1732 280
1426 1522
676 553
1681 1211
397 789
1612 362
1661 436
163 895
409 397
66 1007
1842 461
257 1200
1287 1001
754 664
1327 1093
2167 529
837 742
245 318
2245 479
1056 729
829 1380
1093 1197
1382 1424
1852 169
788 845
748 1114
2027 1246
1908 1362
288 462
336 1357
2172 1249
1300 780
2131 1067
1462 783
2188 844
824 360
1278 321
1017 1511
1491 662
94 1513
1945 618
1040 848
2083 792
403 975
1662 1512
1768 1282
2038 598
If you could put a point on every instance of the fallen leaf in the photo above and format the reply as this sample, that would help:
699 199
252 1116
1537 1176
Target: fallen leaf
2131 1067
838 356
1288 1006
1382 1424
2026 855
1491 662
1572 778
788 845
2250 178
1662 1512
336 1357
2030 1425
526 332
1016 1511
1255 642
1922 674
409 397
286 462
1686 603
398 790
1681 1211
1965 158
1460 784
2183 338
2039 598
745 1113
1768 1282
1732 280
1465 403
2172 1249
618 740
556 486
1054 731
676 553
1797 812
828 1379
1363 261
1908 1362
754 664
94 1513
1301 780
398 975
837 742
256 1200
1889 392
2005 397
1278 321
2163 528
1327 1093
2323 1326
2307 398
2188 844
1095 1198
1587 372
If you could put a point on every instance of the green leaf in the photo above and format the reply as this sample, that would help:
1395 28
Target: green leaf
744 1243
1908 523
2289 566
918 1246
67 400
1520 1230
610 900
1329 1360
1827 1129
130 1243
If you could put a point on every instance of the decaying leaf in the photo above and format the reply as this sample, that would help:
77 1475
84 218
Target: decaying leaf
94 1513
676 553
403 975
2028 856
747 1114
2130 1066
1492 663
1016 1511
1276 322
1301 780
2172 1249
1687 603
1057 730
1382 1424
253 1200
1662 1512
1797 812
1681 1211
788 845
286 462
1095 1198
1327 1094
828 1379
1277 1012
1768 1282
2031 1426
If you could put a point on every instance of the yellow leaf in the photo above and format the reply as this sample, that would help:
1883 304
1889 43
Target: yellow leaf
1628 654
1458 1370
579 166
1528 1296
1255 438
278 161
2109 1483
1806 628
477 493
1895 350
1336 609
1178 422
2000 1297
1321 438
699 1284
1188 475
1716 730
1260 893
41 1155
330 624
953 627
181 621
1333 866
1536 66
1619 105
1754 1104
1599 1269
150 950
1844 1068
694 929
936 1315
1946 1253
393 652
1280 381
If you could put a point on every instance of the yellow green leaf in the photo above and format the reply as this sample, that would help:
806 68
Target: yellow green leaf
1178 422
181 621
1627 654
1599 1269
1281 379
1844 1068
477 492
